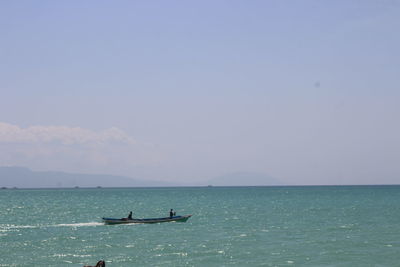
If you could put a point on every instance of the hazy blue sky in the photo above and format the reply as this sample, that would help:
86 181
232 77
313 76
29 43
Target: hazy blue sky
305 91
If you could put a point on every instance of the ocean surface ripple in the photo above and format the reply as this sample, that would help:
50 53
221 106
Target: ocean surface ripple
231 226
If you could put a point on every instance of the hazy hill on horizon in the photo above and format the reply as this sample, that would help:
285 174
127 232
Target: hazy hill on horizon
22 177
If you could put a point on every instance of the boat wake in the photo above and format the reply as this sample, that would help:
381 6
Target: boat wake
78 224
12 227
6 227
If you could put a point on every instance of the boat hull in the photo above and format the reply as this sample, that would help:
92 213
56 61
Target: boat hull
150 220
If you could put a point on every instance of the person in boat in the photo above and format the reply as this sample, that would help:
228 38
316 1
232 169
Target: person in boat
129 217
99 264
171 213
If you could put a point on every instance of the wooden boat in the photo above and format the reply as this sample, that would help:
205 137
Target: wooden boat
149 220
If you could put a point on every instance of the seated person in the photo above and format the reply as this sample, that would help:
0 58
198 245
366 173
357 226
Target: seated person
129 217
172 213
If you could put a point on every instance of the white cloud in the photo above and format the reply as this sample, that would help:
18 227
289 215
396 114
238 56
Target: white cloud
75 149
66 135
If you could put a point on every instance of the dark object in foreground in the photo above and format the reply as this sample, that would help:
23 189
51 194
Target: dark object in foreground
151 220
99 264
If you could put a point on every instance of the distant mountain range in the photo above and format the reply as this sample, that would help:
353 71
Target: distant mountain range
22 177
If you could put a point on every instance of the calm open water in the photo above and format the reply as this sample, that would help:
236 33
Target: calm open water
236 226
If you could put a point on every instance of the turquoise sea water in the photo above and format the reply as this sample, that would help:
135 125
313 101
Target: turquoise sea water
236 226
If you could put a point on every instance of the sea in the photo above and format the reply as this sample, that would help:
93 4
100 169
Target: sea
230 226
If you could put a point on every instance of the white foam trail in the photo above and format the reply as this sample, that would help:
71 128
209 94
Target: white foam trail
78 224
10 227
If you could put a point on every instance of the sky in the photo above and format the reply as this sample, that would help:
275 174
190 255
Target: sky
306 92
